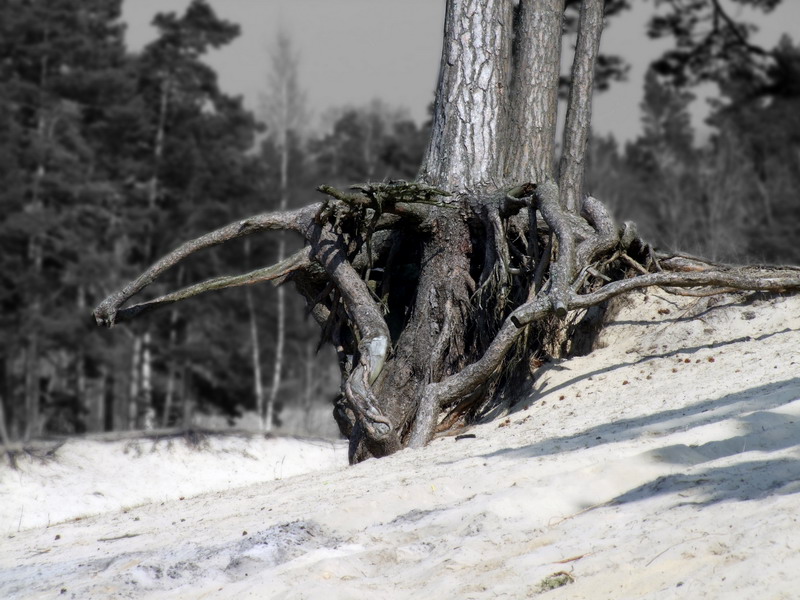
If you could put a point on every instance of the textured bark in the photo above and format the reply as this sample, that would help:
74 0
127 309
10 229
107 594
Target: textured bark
297 220
530 129
465 145
579 106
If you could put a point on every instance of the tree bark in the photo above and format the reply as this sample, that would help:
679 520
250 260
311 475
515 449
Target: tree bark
530 130
135 383
465 144
579 105
255 355
169 394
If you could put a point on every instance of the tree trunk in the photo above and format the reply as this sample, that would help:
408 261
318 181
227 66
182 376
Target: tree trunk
310 382
32 391
4 439
10 418
530 129
187 403
465 146
97 395
135 382
284 110
579 109
172 369
146 409
255 353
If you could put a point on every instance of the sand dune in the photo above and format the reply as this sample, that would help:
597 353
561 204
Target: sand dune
666 464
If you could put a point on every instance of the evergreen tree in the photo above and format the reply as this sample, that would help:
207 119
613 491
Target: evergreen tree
186 167
55 61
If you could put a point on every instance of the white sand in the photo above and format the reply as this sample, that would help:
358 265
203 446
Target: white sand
664 465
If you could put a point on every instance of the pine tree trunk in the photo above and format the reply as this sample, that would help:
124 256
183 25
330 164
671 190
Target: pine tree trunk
35 256
493 127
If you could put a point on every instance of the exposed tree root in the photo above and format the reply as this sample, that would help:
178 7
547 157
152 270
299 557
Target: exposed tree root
431 300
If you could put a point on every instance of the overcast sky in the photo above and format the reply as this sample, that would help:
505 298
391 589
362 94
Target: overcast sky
353 51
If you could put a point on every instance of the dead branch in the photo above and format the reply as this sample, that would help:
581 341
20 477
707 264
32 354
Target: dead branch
746 279
295 220
299 260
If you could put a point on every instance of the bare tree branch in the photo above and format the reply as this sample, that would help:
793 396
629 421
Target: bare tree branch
755 280
296 220
758 279
296 261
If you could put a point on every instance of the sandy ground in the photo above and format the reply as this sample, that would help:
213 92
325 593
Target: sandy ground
664 465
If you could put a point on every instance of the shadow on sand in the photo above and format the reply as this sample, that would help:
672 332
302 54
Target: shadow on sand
760 398
751 411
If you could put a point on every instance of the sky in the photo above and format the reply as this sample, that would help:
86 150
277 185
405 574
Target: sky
354 51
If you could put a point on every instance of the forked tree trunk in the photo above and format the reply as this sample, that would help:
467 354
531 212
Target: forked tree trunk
493 127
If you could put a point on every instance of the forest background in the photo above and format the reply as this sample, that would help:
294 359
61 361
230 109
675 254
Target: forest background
109 158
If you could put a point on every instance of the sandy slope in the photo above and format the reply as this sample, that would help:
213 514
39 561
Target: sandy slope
664 465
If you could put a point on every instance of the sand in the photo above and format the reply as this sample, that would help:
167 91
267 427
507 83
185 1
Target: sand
665 464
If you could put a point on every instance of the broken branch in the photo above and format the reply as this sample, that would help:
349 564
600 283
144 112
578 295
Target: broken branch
296 220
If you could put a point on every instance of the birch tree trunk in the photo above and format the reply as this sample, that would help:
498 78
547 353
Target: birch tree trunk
255 350
172 368
283 108
134 382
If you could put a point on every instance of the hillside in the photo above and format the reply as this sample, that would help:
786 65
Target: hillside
666 464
